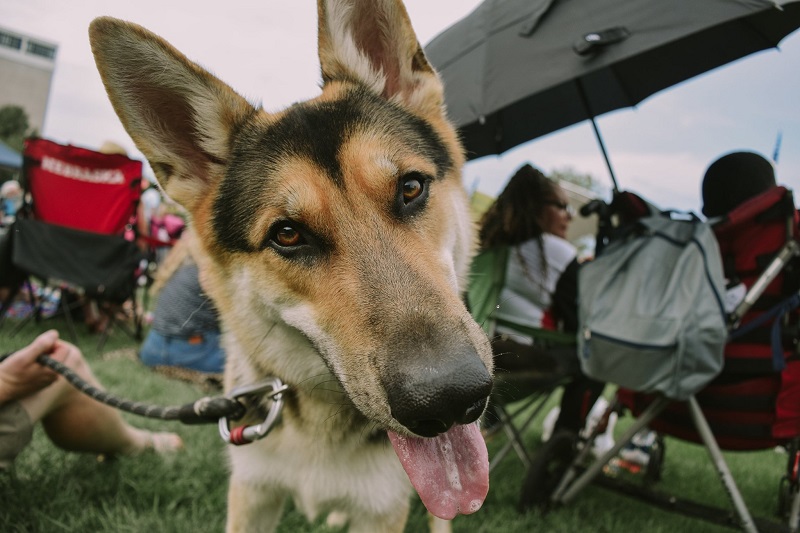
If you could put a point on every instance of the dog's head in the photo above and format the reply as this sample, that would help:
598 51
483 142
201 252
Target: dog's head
342 216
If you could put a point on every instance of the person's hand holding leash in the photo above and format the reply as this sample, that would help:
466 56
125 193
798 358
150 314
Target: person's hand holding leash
21 375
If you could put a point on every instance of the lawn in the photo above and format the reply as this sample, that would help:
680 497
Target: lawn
52 491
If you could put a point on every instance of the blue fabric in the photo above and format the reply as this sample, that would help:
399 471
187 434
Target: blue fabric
9 158
202 354
775 314
9 207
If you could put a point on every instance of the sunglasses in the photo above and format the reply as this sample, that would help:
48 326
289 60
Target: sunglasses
563 206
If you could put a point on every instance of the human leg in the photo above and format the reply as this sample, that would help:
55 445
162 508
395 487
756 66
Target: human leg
76 422
578 397
579 393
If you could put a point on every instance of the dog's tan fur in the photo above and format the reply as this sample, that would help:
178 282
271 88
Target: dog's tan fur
322 323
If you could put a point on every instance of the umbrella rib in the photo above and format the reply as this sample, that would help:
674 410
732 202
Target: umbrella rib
761 34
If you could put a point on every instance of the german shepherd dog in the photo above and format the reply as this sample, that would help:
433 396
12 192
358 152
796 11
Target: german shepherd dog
335 238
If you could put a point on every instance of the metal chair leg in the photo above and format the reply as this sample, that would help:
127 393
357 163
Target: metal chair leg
714 452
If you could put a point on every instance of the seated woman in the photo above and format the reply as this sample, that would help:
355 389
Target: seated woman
531 217
185 332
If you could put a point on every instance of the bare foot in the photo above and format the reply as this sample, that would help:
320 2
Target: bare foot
165 443
162 443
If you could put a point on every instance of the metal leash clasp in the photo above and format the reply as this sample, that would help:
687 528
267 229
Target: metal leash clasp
273 388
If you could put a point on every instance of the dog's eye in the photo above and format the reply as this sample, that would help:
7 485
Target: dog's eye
294 240
412 189
287 236
412 193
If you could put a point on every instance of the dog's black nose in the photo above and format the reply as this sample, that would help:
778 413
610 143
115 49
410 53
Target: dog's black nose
430 398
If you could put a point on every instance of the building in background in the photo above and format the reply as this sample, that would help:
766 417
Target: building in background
26 71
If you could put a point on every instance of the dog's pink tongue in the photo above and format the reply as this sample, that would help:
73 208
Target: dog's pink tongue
450 472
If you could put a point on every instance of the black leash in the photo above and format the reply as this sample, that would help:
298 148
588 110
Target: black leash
206 410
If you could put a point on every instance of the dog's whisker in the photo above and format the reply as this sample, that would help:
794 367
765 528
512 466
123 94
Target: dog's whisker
336 414
321 378
343 404
333 391
263 340
367 430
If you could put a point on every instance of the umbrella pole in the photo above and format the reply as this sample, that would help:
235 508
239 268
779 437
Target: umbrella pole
605 154
599 137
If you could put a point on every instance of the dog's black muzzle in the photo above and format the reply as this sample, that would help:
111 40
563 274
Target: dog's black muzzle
430 393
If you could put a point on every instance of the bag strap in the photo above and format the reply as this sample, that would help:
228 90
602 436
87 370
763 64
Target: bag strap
775 313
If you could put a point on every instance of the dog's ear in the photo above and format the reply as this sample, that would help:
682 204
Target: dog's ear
372 42
180 116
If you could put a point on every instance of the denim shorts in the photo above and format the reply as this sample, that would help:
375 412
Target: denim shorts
16 430
200 352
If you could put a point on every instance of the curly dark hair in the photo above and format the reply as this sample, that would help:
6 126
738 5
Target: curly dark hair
512 219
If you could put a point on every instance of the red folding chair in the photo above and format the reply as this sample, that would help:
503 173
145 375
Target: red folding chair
80 188
79 232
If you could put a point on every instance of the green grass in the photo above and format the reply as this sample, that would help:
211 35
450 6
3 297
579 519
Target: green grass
49 490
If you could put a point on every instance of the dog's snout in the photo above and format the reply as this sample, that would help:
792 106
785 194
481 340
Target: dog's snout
432 398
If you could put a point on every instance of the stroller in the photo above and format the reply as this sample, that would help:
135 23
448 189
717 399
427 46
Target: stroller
752 404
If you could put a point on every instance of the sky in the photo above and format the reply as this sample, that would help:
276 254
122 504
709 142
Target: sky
266 51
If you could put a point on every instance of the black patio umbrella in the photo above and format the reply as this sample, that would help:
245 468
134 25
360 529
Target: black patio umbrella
515 70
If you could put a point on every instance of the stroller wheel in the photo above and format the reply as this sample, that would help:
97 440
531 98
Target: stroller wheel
546 471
